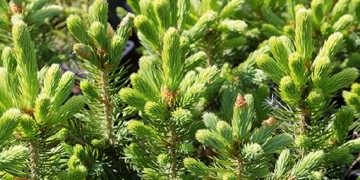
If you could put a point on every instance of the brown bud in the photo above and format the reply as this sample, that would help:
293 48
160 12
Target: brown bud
29 112
170 96
16 8
101 52
83 51
110 31
240 101
270 121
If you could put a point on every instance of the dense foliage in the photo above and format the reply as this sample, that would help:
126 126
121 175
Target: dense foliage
225 89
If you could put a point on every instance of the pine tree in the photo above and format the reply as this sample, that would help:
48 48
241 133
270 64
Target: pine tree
305 87
241 150
42 109
180 116
100 51
166 97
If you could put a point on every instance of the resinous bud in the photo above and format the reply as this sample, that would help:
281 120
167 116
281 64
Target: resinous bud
240 101
85 52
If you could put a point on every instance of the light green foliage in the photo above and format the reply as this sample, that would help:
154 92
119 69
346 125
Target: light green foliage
89 90
298 71
172 58
41 109
277 18
330 17
226 89
288 91
209 28
165 94
352 98
98 12
77 29
269 66
303 36
286 168
281 165
37 14
343 22
304 167
36 17
241 149
100 50
76 169
196 167
13 160
231 8
26 60
306 86
244 78
331 46
8 123
147 33
167 88
280 53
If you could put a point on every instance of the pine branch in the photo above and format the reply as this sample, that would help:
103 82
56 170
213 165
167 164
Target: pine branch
163 91
240 150
44 109
306 86
100 53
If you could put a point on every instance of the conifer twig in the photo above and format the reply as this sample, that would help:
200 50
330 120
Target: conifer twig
239 167
34 160
107 107
173 174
